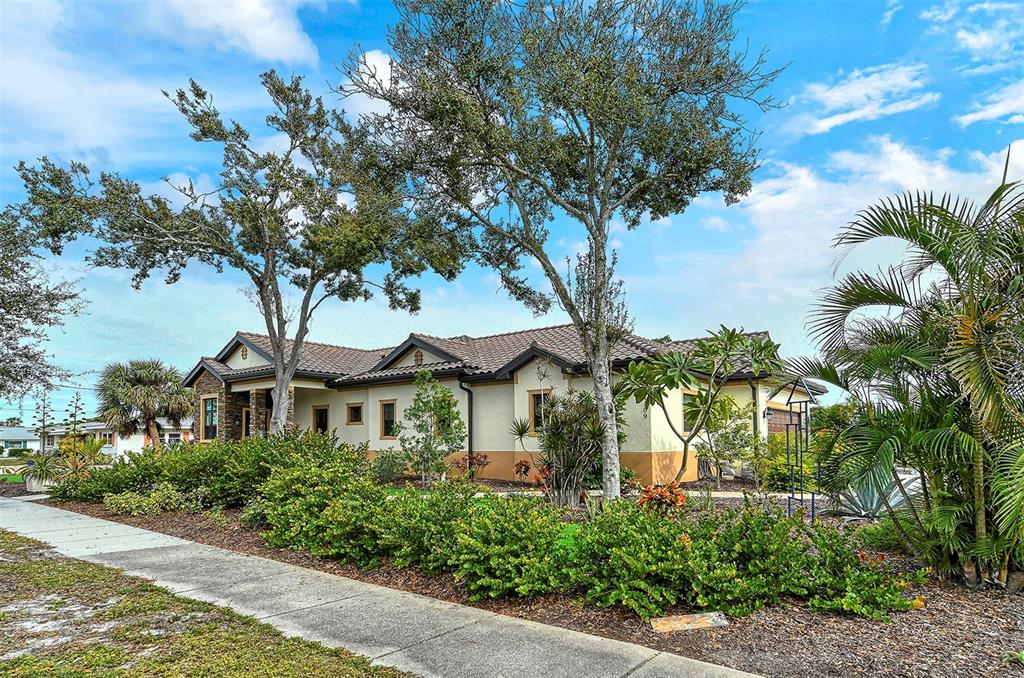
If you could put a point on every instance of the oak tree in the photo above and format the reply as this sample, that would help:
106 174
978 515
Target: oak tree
505 117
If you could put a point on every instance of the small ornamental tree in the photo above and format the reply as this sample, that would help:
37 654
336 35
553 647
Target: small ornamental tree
431 428
728 436
713 362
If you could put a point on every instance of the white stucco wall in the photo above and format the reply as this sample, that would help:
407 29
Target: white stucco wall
252 359
409 358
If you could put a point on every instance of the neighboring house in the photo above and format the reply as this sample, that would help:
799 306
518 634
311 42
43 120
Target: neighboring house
118 445
17 438
361 393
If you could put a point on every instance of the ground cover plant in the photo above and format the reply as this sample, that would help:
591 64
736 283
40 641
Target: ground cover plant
65 617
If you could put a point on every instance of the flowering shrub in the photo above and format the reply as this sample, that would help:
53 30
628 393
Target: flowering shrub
480 462
662 497
522 469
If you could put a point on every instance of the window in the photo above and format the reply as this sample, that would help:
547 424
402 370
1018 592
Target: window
245 353
687 398
537 400
353 414
320 419
417 357
107 437
387 419
172 439
246 422
208 429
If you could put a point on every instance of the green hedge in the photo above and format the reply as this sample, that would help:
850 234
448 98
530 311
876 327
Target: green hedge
649 562
309 491
229 473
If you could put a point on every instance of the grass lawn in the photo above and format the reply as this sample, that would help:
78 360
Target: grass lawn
12 478
11 461
65 617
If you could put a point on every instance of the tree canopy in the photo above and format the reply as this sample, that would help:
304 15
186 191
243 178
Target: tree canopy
503 117
292 208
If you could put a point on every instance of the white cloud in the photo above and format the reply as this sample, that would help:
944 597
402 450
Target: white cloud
864 94
891 8
1006 102
376 66
991 33
51 99
715 223
796 213
266 29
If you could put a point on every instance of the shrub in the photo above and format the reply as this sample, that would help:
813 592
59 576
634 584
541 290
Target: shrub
352 523
880 535
298 495
162 498
480 462
740 560
853 582
231 473
254 515
662 497
137 472
388 467
511 546
420 528
631 557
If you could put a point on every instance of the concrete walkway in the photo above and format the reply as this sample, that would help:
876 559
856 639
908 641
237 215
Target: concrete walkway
413 633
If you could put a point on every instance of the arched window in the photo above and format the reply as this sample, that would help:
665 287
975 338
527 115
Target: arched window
418 357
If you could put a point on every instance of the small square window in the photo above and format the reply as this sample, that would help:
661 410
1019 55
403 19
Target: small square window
354 414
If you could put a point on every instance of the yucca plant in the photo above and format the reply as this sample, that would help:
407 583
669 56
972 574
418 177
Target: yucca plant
932 352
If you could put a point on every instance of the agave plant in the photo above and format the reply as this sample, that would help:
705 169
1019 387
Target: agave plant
868 501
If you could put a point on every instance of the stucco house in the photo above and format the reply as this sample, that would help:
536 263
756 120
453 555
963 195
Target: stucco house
118 445
361 393
15 439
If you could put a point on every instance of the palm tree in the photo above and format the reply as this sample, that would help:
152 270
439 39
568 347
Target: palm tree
932 350
136 394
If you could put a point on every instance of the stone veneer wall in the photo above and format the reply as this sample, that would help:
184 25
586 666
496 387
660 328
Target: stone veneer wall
229 407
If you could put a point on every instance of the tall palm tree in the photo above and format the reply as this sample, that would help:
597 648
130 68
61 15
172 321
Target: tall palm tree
936 343
136 394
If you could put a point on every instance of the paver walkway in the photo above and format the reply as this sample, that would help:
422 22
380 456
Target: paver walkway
411 632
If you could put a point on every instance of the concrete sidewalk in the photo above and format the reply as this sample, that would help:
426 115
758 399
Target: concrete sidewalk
413 633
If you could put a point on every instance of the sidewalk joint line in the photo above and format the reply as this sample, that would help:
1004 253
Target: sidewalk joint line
434 637
642 664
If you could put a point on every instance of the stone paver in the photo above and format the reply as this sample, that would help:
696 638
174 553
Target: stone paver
413 633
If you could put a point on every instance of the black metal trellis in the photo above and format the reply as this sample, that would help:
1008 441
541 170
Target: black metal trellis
802 492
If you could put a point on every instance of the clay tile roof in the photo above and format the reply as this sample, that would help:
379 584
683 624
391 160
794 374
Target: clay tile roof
325 358
472 355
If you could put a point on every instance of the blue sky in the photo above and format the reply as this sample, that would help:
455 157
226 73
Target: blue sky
883 96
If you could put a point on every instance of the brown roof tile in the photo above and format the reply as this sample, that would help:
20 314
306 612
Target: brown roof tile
473 355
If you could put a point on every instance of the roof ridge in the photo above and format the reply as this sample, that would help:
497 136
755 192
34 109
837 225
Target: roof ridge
506 334
324 343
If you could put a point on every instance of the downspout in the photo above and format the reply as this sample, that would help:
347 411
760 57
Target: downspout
469 426
757 407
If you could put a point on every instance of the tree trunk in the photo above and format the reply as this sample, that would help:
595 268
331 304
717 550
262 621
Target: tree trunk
686 460
153 433
599 368
718 479
978 460
282 401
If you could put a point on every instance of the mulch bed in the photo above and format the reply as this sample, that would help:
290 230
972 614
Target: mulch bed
13 490
958 633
